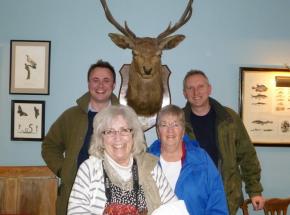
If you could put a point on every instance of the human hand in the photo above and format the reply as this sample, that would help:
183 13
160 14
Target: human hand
258 202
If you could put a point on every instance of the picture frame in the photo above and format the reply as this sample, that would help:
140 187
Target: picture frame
29 67
265 105
27 120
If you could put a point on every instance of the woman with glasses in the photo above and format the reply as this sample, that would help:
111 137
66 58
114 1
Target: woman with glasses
188 168
119 177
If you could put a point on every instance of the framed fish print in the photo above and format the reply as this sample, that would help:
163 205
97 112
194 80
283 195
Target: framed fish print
265 105
29 67
27 120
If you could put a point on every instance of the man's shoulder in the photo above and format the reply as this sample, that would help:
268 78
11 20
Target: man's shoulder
233 114
71 112
223 112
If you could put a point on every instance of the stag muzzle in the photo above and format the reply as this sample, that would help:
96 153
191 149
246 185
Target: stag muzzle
147 71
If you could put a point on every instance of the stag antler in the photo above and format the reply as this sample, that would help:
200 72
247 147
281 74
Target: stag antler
183 19
126 31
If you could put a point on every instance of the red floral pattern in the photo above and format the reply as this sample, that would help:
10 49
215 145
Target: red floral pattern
121 209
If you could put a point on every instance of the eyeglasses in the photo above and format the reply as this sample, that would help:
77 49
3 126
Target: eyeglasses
169 125
113 132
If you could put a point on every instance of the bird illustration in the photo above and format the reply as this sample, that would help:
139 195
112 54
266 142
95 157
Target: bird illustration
36 112
30 64
21 112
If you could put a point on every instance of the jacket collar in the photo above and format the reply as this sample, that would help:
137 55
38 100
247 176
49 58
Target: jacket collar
221 113
84 100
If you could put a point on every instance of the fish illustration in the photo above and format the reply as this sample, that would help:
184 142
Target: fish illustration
260 88
259 96
280 108
280 103
21 112
256 129
279 96
259 103
260 122
268 129
280 92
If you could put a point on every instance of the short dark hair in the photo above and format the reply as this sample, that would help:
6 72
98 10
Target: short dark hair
102 64
191 73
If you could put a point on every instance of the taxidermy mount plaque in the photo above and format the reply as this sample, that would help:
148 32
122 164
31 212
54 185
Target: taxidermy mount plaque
146 121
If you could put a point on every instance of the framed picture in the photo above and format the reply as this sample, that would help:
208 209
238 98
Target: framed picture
27 120
29 67
265 105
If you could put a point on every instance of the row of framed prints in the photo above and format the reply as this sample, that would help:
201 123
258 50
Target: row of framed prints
29 75
264 96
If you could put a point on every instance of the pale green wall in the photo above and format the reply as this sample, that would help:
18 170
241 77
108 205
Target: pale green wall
220 37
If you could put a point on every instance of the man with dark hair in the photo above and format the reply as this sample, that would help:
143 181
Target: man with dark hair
220 131
66 144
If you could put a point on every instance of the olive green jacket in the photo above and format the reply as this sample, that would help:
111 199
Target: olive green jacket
237 156
62 144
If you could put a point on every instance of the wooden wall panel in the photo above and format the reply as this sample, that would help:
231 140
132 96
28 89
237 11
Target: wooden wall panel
27 190
8 193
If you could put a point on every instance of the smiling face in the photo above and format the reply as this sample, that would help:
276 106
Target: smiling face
101 85
170 132
118 145
197 90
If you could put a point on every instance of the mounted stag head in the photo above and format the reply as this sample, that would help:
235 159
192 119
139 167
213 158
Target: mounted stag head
145 87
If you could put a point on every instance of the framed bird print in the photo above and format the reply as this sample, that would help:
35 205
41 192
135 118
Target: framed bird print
29 67
27 120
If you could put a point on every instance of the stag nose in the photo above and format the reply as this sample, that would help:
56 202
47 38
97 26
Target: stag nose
147 71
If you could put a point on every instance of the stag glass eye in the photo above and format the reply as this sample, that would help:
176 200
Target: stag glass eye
112 132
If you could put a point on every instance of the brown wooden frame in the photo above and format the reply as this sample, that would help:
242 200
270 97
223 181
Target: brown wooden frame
265 108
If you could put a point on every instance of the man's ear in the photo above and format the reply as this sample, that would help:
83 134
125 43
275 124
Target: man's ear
184 94
210 89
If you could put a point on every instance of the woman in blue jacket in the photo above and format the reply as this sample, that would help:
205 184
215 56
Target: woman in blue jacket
188 168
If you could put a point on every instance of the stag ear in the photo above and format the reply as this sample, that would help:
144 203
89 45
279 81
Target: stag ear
171 42
121 40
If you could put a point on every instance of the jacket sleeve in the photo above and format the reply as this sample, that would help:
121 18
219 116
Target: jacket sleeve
217 203
53 146
247 160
